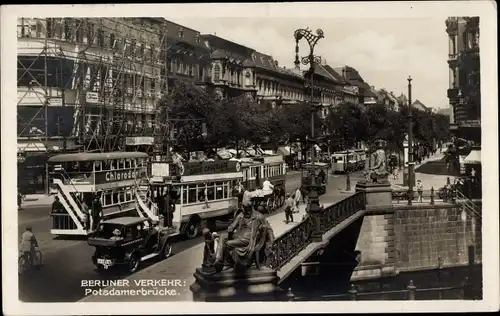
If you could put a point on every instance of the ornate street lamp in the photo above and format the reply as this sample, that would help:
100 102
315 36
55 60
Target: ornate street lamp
311 59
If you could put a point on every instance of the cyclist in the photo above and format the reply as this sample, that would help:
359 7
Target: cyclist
28 245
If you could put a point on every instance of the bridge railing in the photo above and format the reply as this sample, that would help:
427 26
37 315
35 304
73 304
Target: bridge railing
288 245
463 291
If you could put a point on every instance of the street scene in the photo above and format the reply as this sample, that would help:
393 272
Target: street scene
174 159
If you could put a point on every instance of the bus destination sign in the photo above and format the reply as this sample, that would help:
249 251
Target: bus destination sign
223 166
116 176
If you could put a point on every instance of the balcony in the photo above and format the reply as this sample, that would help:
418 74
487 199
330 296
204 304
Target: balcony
453 94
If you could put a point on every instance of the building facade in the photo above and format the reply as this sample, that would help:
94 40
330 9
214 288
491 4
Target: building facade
188 57
464 91
237 70
88 83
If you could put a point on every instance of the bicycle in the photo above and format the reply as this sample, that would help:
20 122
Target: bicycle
36 261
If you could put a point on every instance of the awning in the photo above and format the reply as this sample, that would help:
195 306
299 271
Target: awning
284 151
31 147
224 154
473 158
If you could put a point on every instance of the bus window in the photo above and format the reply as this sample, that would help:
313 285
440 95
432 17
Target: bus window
226 189
219 190
97 165
190 197
133 162
128 195
127 164
210 191
253 172
115 197
112 164
107 199
202 192
121 196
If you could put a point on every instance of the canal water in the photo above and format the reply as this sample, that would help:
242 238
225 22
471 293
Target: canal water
332 286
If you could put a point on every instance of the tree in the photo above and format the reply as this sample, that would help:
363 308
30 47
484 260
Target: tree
184 111
346 125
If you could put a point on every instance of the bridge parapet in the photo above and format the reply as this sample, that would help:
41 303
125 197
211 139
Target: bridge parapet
253 281
288 245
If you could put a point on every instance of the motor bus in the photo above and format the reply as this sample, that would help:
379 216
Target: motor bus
202 192
79 177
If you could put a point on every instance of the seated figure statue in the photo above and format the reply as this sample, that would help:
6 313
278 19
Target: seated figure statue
248 241
375 165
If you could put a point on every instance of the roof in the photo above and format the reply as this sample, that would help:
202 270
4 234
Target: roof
334 74
97 156
267 62
125 221
419 105
231 49
320 70
352 76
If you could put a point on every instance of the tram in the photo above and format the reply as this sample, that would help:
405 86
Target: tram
79 177
348 161
257 170
202 192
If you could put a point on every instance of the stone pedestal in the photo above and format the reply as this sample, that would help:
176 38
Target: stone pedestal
228 286
376 193
376 240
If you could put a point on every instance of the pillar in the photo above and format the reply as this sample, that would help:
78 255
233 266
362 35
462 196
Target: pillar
376 241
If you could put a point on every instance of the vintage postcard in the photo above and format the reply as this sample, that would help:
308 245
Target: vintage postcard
249 158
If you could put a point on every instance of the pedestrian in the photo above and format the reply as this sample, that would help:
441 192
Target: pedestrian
96 211
166 209
395 172
322 176
85 210
298 198
57 206
420 190
19 199
289 204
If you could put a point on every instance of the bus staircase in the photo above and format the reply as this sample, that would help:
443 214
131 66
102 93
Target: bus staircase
72 222
141 189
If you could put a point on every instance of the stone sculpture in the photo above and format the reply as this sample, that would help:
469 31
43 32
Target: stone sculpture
248 241
375 165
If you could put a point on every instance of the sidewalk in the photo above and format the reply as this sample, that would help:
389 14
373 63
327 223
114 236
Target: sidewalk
428 180
181 266
37 200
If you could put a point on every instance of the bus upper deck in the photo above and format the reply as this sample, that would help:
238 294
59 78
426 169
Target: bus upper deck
82 178
90 172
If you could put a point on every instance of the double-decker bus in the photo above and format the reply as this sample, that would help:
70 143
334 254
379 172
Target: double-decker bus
202 192
79 177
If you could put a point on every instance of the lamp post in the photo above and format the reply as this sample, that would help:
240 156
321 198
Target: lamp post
410 146
311 59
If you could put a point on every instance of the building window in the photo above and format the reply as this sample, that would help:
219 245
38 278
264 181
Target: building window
248 78
216 73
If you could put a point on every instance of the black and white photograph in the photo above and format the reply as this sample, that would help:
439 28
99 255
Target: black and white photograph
172 155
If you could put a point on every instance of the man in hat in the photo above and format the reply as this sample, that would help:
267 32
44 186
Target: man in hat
289 205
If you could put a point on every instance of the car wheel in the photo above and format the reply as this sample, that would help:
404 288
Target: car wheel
193 229
133 264
167 250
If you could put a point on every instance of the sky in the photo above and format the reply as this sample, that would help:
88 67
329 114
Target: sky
384 51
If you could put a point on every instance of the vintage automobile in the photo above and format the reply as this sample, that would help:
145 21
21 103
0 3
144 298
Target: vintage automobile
320 168
127 241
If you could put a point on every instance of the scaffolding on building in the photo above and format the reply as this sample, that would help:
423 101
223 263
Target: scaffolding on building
92 84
